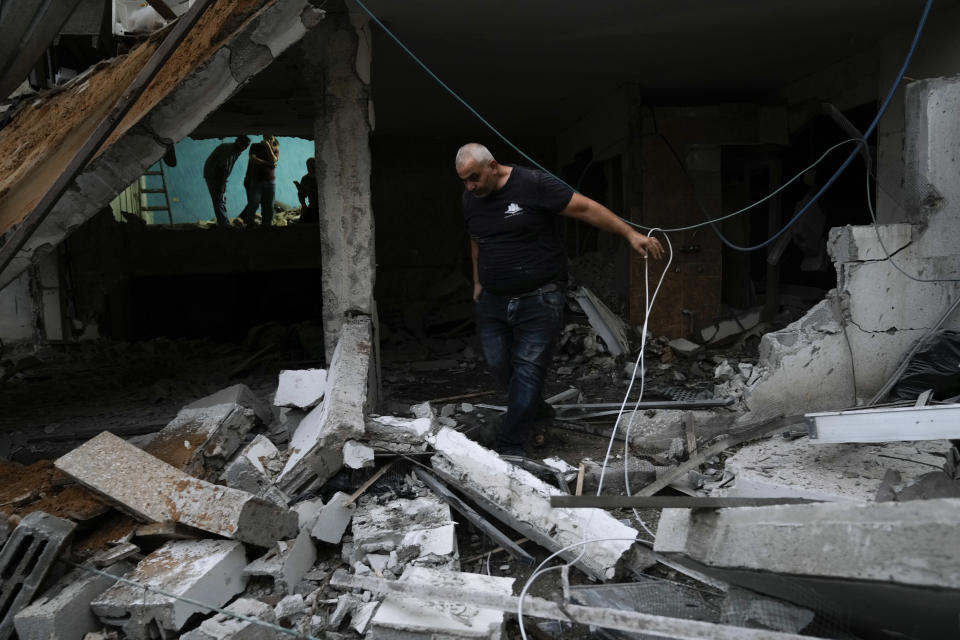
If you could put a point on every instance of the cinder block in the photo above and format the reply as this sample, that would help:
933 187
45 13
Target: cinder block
401 617
315 450
302 389
286 562
250 470
63 612
155 491
25 560
210 571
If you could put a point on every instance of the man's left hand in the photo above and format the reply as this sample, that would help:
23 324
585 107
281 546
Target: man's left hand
645 245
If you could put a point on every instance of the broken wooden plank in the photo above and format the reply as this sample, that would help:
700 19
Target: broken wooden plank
478 521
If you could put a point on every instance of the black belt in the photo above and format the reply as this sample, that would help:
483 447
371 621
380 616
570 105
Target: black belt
550 287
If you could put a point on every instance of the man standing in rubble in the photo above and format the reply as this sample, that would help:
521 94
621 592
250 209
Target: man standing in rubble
217 169
260 181
520 275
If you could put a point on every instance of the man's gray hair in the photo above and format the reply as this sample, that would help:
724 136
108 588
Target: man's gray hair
473 151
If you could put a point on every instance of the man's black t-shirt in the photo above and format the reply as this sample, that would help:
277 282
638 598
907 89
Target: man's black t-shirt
517 231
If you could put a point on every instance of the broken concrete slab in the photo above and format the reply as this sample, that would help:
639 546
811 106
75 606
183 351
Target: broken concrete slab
521 500
151 489
210 571
398 435
779 468
357 455
203 436
301 389
403 617
239 394
881 566
333 518
224 627
249 471
315 450
63 612
26 559
421 532
287 562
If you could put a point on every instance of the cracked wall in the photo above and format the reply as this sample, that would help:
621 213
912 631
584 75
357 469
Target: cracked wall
234 41
844 349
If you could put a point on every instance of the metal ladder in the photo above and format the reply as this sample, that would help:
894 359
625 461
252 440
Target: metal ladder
148 185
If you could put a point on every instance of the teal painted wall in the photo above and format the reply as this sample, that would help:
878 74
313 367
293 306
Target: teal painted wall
189 198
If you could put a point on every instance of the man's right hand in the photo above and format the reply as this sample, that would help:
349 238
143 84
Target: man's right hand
477 288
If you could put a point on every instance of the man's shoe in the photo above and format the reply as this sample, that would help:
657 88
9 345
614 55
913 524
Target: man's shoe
512 450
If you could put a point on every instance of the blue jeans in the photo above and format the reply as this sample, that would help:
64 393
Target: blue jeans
218 194
518 335
259 195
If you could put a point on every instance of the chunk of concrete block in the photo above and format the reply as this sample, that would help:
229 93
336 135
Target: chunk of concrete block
522 501
239 394
63 612
224 627
315 450
250 470
412 431
357 455
684 347
403 617
886 565
307 512
333 519
301 389
421 531
287 562
26 559
290 606
201 440
210 571
155 491
779 468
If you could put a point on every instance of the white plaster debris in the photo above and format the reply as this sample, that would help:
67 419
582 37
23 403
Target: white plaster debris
315 450
289 607
402 617
224 627
522 498
357 455
834 472
684 346
421 531
63 612
207 570
333 518
156 491
302 389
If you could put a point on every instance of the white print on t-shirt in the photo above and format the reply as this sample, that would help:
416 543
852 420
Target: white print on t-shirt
513 209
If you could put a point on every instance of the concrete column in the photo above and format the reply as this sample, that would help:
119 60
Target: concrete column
337 64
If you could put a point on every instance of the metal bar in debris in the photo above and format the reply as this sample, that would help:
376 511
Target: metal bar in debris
31 221
661 626
767 427
478 521
648 404
667 502
906 424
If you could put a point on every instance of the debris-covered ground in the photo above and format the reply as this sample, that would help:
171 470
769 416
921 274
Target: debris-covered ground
254 492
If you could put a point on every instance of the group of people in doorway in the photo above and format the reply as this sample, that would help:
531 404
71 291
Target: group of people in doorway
259 181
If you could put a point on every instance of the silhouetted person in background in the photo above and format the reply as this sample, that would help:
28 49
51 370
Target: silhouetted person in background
217 169
307 193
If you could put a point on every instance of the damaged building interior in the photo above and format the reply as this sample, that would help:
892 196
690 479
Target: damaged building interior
283 424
